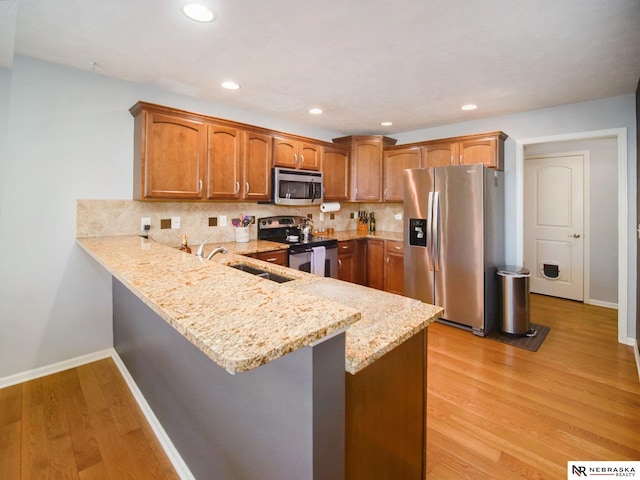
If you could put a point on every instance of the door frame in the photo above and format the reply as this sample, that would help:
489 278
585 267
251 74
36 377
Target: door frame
586 213
623 238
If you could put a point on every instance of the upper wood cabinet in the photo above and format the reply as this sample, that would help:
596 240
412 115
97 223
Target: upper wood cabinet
292 153
224 163
397 159
169 155
365 165
440 154
486 148
256 166
335 173
238 164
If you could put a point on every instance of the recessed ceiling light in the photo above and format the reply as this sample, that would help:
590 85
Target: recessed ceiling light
315 111
230 85
198 12
469 106
386 124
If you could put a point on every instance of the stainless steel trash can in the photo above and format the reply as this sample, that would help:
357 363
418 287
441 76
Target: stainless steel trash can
515 300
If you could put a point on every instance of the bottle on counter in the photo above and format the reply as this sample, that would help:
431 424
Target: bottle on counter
185 246
372 223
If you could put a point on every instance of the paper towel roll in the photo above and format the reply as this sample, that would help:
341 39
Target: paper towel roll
330 207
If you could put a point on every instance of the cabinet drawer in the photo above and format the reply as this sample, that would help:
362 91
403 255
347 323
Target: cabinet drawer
345 246
394 246
279 257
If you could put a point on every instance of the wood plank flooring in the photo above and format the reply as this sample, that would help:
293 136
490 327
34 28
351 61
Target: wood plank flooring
494 411
82 423
500 412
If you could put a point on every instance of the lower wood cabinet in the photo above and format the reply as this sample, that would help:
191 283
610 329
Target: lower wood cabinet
394 267
351 261
277 257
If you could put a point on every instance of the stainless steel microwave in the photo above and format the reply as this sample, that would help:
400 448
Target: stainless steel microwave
296 187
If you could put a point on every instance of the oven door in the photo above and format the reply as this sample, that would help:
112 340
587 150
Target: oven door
302 259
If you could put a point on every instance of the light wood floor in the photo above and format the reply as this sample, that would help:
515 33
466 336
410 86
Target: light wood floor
499 412
82 423
495 411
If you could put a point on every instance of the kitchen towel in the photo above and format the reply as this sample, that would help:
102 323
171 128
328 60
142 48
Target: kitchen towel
330 207
318 256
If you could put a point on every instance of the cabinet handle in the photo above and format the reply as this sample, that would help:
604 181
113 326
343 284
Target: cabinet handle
339 263
385 193
200 186
246 187
460 159
272 259
237 187
387 259
301 159
397 248
295 158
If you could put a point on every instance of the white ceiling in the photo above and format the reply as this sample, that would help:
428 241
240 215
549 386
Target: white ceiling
412 62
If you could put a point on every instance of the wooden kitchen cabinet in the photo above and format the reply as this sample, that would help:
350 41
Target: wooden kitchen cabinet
365 165
292 153
395 160
440 154
169 155
375 263
352 256
277 257
224 163
256 166
486 148
394 267
335 173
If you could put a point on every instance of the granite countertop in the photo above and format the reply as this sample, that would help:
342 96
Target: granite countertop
241 321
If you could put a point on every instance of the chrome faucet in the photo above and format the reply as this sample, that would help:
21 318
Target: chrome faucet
200 250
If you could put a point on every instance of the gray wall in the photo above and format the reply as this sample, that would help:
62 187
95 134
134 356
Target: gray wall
70 136
603 211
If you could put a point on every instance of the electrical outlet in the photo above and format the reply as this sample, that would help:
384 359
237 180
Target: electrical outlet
321 216
398 216
175 222
145 222
222 221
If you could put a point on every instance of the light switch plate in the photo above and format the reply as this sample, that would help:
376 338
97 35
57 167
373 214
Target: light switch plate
398 216
222 220
175 222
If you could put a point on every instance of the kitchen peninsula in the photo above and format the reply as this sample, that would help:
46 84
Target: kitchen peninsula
247 376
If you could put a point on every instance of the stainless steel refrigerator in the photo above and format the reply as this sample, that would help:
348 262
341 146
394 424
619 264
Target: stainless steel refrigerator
454 240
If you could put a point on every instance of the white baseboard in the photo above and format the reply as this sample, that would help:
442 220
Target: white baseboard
599 303
174 456
55 368
636 351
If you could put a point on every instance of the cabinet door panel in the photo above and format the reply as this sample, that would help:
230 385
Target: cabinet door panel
173 157
223 165
285 152
480 150
257 166
368 173
335 174
375 263
309 156
440 154
395 161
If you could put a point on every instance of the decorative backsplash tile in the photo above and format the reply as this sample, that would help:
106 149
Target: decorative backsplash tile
99 218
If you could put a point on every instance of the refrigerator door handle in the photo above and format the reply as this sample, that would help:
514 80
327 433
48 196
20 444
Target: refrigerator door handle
436 231
430 231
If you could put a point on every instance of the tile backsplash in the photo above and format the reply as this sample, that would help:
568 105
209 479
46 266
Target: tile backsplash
98 218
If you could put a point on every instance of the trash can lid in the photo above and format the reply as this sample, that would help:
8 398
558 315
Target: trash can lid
513 271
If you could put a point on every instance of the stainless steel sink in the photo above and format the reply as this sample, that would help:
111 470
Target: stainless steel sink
261 273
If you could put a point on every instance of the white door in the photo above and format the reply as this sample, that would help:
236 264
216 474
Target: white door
554 223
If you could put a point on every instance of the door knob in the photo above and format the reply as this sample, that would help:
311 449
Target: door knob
575 235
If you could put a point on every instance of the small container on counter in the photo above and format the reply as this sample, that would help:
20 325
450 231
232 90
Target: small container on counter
185 246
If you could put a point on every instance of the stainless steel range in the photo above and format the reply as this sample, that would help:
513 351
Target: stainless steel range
309 253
